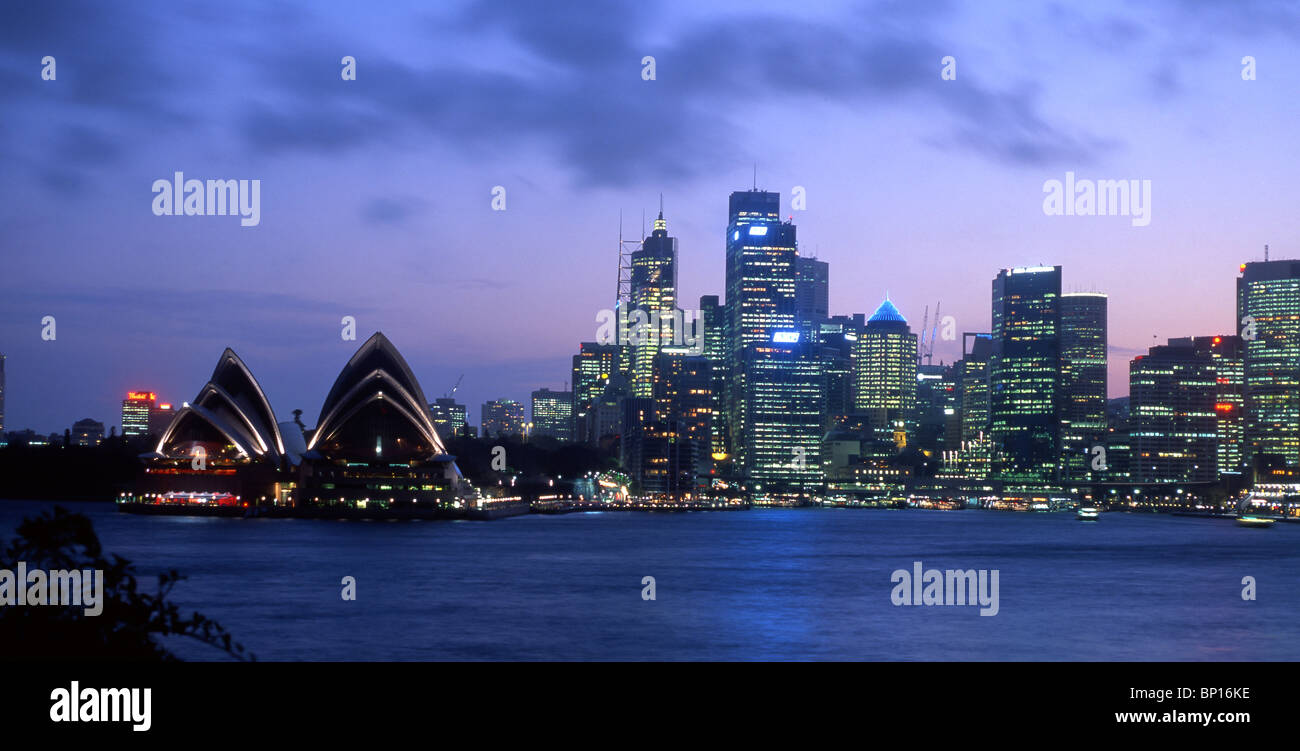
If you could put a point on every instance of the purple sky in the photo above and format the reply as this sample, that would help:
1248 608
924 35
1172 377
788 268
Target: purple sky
376 193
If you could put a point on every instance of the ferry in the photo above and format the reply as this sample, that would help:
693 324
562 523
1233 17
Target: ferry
1087 513
1257 522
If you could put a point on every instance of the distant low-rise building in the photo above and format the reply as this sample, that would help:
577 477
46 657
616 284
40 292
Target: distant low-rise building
87 432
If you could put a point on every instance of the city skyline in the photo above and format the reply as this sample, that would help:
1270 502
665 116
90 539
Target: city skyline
946 191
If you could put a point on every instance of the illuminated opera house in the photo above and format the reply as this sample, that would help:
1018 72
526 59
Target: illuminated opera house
374 449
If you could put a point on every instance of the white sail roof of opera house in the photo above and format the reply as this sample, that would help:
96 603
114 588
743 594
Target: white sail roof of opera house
233 403
377 378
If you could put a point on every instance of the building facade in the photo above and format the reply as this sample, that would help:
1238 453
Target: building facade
1025 373
1268 312
1083 385
501 417
553 414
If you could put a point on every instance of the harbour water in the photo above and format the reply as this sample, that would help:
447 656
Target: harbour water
763 584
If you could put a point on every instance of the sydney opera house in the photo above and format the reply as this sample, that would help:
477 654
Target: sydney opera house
373 451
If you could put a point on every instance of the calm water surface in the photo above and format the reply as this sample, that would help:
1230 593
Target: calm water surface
780 584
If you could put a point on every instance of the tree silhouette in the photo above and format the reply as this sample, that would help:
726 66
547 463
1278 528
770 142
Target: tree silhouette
125 629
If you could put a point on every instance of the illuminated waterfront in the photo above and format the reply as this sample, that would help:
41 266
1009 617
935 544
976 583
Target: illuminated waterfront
797 584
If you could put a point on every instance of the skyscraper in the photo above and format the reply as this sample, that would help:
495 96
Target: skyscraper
811 293
1025 372
1268 312
654 300
502 417
780 448
713 318
135 412
1083 383
593 367
2 394
761 272
553 414
884 368
1172 418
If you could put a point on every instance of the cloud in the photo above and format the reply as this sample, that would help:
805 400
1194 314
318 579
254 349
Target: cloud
558 76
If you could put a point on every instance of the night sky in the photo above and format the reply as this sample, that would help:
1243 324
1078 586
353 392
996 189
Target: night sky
376 193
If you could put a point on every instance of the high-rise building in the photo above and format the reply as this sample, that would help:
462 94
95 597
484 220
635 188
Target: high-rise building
1268 312
761 277
654 300
553 414
811 293
1173 430
683 397
969 454
837 336
502 417
884 369
1083 384
780 446
160 416
973 374
1225 356
713 318
761 273
1025 373
593 367
2 394
448 416
938 402
135 412
87 432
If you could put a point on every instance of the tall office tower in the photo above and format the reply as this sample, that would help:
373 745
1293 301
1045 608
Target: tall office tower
160 416
780 449
2 394
713 319
1225 356
593 367
1172 419
973 374
1083 384
448 417
811 293
87 432
1268 312
837 336
1025 373
553 414
1119 446
884 367
654 300
938 420
502 417
135 412
967 450
683 391
761 258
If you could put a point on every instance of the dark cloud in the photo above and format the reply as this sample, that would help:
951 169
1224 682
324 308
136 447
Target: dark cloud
578 90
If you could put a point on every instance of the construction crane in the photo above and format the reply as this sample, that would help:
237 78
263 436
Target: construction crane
452 393
929 352
925 347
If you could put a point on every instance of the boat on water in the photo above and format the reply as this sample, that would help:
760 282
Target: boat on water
1087 513
1257 522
